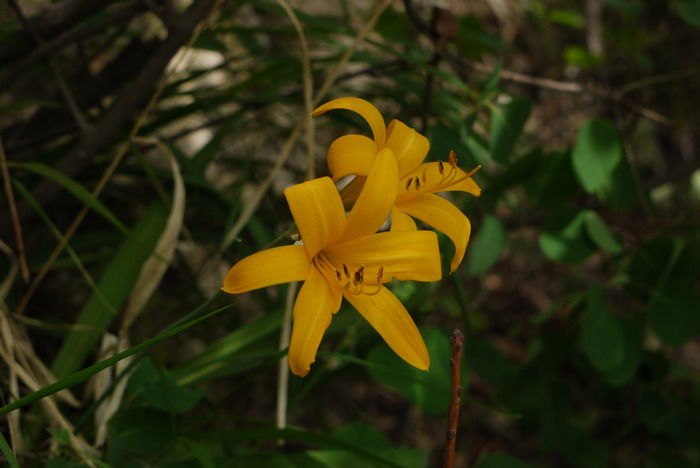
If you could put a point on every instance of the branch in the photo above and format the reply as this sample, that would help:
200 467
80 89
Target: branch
127 104
456 395
53 21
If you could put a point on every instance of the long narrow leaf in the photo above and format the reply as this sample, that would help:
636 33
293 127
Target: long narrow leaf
83 375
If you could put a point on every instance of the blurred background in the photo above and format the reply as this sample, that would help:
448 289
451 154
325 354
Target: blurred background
145 145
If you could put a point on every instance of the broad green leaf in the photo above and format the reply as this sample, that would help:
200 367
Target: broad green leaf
115 284
689 11
596 154
601 336
139 431
553 183
487 361
563 238
429 391
77 190
663 273
600 234
633 333
507 122
503 460
370 458
158 389
485 249
674 309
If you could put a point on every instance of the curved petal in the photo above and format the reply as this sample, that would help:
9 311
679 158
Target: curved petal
442 215
362 107
400 221
318 212
389 317
315 305
351 155
437 177
404 255
409 146
376 199
267 267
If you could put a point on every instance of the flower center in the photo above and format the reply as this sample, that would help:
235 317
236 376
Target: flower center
446 178
346 279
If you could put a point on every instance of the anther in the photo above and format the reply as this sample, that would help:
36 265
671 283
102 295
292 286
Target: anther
425 175
441 168
408 183
453 159
417 183
337 275
345 270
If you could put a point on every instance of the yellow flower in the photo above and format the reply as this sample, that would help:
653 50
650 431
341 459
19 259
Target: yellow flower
354 154
345 257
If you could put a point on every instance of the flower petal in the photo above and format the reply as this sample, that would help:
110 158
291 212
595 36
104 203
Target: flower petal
315 305
267 267
318 212
400 221
389 317
442 215
351 155
362 107
434 179
404 255
376 199
409 146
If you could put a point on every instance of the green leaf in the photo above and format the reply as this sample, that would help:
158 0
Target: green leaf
429 391
7 451
553 182
485 249
507 122
563 238
600 234
77 190
633 333
601 337
158 389
502 460
596 154
689 11
140 431
84 374
115 284
213 361
663 274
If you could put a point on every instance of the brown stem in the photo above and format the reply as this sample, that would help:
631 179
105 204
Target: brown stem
13 211
455 397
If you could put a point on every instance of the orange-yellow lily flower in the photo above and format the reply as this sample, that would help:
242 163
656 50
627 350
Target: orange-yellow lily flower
345 257
354 154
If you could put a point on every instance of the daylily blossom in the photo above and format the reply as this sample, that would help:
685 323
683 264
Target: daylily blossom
343 256
354 154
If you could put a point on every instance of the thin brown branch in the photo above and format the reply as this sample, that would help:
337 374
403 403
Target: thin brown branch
456 342
183 33
113 17
13 212
53 21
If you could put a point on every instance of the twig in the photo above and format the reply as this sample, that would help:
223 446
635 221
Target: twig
196 14
13 211
456 395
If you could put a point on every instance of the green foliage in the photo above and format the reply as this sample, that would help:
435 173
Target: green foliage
578 295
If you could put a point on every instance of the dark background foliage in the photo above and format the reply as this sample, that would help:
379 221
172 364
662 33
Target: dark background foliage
578 297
